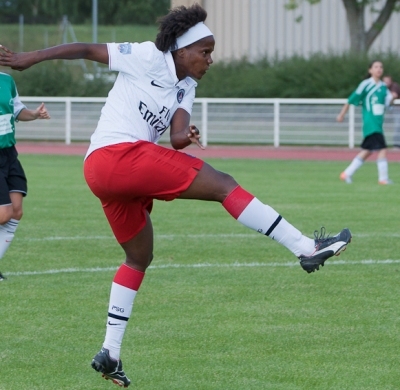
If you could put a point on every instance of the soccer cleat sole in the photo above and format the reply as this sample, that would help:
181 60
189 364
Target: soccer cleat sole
115 381
100 368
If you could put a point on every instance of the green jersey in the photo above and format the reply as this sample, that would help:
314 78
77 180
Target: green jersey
10 107
373 97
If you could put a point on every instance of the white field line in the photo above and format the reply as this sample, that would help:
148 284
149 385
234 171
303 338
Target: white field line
202 265
173 236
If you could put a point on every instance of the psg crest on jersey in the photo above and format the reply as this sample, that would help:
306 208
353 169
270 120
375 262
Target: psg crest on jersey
124 48
180 95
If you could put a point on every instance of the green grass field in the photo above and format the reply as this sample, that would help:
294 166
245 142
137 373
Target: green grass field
222 307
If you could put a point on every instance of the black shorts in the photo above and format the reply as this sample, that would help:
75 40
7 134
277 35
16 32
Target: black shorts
12 175
375 141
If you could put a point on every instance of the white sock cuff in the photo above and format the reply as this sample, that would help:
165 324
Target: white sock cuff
9 227
12 225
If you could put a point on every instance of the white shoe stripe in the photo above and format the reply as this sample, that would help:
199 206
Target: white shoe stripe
334 247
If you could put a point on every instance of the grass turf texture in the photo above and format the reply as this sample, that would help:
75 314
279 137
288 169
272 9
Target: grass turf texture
222 307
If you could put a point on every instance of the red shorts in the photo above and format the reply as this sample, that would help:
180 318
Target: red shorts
127 177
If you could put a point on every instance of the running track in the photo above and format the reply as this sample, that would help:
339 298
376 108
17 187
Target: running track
248 152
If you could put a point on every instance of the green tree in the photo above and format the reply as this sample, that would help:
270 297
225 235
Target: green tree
361 39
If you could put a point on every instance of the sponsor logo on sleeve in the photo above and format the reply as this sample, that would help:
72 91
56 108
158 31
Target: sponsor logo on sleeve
124 48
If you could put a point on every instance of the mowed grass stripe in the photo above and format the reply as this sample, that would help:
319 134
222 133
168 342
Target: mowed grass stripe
176 236
203 265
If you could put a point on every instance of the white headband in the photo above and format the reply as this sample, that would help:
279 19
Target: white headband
194 34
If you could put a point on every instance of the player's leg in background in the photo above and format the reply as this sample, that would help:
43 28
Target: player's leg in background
383 167
10 215
356 164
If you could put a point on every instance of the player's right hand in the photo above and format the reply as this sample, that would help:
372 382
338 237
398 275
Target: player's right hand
194 136
17 61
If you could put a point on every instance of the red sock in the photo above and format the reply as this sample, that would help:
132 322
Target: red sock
129 277
237 201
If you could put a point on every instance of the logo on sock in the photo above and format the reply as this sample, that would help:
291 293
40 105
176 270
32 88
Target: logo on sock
116 308
110 323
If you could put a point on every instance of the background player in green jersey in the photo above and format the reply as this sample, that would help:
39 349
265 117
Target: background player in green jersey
374 96
13 185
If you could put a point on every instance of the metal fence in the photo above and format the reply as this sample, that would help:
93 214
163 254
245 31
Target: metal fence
222 121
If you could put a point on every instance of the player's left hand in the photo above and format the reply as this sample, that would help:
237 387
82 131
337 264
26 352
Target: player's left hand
17 61
194 136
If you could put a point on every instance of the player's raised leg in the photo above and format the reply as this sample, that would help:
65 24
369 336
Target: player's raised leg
211 184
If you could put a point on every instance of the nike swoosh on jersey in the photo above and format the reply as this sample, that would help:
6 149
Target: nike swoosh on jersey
156 85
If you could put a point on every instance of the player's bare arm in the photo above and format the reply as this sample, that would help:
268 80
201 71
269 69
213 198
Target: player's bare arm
70 51
182 134
343 112
30 115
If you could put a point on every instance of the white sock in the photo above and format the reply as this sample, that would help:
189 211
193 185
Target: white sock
262 218
7 232
354 165
124 288
121 301
266 220
383 169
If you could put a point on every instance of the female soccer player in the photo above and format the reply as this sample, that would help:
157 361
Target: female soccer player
127 170
13 185
374 96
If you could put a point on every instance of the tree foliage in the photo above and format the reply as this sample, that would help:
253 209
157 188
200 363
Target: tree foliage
320 76
361 38
78 11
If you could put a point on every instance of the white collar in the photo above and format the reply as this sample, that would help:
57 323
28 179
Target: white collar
379 82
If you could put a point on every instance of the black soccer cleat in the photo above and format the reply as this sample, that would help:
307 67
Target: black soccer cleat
2 277
110 368
325 247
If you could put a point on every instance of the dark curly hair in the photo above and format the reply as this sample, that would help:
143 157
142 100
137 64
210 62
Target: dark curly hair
176 23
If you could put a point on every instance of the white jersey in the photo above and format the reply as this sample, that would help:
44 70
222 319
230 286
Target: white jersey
144 97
